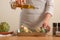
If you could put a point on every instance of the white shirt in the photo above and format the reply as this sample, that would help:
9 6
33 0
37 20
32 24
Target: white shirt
36 16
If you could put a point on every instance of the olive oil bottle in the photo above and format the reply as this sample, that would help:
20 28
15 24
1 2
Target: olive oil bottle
14 5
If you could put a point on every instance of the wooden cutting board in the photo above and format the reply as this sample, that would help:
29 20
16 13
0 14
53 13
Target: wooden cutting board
31 34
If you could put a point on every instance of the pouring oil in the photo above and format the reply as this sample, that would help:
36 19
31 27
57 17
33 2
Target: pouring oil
14 5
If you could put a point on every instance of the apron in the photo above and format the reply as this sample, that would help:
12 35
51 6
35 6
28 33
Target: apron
33 18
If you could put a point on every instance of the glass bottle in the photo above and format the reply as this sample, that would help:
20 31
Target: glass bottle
21 5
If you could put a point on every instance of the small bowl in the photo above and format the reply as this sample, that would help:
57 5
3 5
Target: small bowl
5 33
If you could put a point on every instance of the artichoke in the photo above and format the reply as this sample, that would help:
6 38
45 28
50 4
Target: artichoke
4 27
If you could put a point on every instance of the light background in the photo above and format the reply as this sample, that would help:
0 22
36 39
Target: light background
13 16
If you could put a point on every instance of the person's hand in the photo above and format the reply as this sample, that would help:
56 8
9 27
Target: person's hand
21 2
46 25
46 21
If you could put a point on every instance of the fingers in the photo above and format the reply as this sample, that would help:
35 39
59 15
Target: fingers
21 2
46 26
18 1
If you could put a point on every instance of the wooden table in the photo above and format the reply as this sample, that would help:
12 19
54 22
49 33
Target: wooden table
29 38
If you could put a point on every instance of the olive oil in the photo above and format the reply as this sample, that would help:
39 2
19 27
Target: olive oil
14 5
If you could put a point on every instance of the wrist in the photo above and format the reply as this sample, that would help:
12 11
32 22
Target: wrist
47 16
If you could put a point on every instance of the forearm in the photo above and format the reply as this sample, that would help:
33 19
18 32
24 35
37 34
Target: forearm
48 16
49 9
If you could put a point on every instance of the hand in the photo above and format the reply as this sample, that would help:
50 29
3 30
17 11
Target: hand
46 25
46 21
21 2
